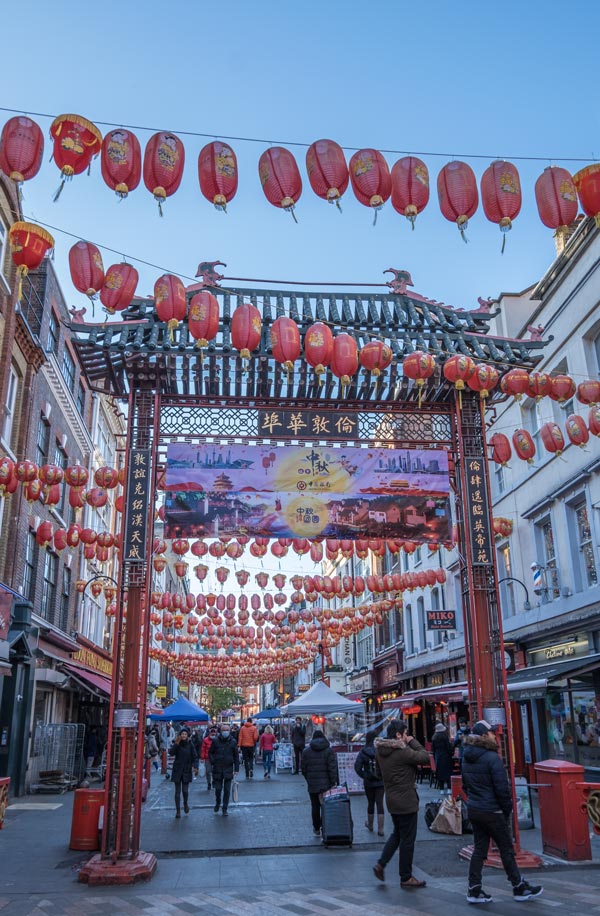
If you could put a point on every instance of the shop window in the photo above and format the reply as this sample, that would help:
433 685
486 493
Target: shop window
563 410
48 604
31 562
533 421
418 558
546 548
61 461
9 425
499 479
64 599
42 441
68 370
52 342
437 604
422 623
573 723
105 440
81 400
584 560
507 587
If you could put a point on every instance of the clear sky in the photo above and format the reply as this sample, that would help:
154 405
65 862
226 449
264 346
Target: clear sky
498 80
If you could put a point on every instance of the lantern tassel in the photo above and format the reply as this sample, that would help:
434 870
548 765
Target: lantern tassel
463 236
503 244
59 191
337 203
160 209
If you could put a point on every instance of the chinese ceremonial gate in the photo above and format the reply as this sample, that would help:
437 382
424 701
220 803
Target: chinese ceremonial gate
174 395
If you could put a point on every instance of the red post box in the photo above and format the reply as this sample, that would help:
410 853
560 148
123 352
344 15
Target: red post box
85 832
565 828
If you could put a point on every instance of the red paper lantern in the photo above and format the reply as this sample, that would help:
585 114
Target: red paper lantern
218 173
106 477
410 187
76 142
280 178
21 149
458 370
164 159
44 533
96 497
587 182
515 383
203 318
118 289
457 193
28 245
7 473
76 497
594 420
577 431
180 546
552 438
318 347
26 471
50 474
371 179
540 385
60 539
87 269
588 392
562 388
170 301
246 326
121 161
327 170
501 194
501 450
285 342
483 380
32 490
375 357
418 366
344 359
76 475
556 197
524 445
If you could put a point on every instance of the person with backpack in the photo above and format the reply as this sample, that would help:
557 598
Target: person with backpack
366 767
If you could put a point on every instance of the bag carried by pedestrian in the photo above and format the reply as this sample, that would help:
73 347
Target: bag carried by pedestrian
448 818
235 791
431 810
202 769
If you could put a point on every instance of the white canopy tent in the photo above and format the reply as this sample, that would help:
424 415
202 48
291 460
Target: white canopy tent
321 700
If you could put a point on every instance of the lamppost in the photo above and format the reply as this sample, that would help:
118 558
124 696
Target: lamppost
527 605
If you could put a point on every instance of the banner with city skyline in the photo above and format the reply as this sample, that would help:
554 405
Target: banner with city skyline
308 492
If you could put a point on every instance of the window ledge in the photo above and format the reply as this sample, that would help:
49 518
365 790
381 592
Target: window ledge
4 284
9 452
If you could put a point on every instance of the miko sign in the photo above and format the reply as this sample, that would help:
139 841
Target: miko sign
441 620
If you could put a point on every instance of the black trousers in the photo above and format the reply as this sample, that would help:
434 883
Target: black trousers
248 758
179 787
297 758
404 836
374 798
489 825
315 809
222 785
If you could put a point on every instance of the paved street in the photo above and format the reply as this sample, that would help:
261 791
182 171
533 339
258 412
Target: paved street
262 860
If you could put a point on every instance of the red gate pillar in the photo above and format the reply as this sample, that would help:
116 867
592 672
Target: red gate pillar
484 642
121 860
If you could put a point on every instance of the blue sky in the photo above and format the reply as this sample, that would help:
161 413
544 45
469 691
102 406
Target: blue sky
499 80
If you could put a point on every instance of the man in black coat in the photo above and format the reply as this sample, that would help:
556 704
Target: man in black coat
224 761
320 769
490 807
298 742
185 762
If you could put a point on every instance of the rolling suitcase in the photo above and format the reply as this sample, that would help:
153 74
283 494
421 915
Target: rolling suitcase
336 818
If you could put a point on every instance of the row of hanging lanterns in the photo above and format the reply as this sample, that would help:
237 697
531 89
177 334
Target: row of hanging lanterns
77 141
552 437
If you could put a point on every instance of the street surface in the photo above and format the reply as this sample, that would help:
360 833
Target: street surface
262 860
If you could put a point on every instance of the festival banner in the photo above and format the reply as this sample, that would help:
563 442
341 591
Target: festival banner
300 492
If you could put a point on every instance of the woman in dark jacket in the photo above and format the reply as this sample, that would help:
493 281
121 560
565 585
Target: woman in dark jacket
320 769
366 767
186 760
443 752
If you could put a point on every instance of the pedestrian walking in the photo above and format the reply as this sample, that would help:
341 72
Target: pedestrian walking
247 740
443 754
185 760
398 757
320 769
196 740
366 767
266 746
461 733
225 761
151 747
205 756
298 743
490 809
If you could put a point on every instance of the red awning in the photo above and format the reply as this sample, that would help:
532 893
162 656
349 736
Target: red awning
89 679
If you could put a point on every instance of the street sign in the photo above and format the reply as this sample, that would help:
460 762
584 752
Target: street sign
160 693
125 717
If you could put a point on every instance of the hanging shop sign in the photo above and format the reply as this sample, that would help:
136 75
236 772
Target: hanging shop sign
89 659
441 620
263 491
136 506
478 514
308 424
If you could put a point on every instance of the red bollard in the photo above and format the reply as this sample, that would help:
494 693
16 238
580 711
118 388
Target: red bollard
85 832
163 762
564 823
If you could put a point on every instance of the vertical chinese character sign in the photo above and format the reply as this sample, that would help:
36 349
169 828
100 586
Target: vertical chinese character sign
136 506
479 519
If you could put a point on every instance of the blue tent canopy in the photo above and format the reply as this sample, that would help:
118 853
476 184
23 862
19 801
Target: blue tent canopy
181 711
272 712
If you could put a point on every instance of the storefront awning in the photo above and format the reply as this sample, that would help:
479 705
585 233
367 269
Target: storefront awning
456 692
88 679
531 683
